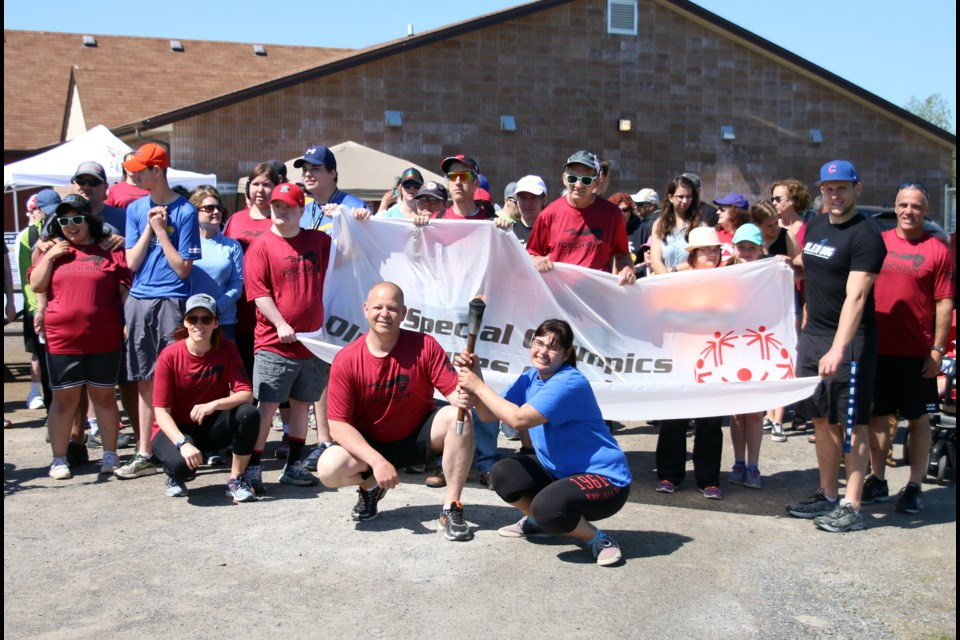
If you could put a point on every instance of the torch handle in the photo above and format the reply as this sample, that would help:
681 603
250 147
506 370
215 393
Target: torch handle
462 413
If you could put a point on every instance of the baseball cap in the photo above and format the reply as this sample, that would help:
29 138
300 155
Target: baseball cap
317 155
703 237
31 203
470 162
149 155
289 193
432 190
532 184
510 191
202 301
645 196
411 175
47 201
838 170
692 177
481 195
279 167
748 232
73 202
585 158
733 198
90 168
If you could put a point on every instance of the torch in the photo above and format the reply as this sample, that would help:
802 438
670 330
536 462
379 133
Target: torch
477 307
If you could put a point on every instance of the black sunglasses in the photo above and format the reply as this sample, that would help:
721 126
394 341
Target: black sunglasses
88 182
914 185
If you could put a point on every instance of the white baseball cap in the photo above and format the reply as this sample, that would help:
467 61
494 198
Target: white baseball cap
531 184
646 195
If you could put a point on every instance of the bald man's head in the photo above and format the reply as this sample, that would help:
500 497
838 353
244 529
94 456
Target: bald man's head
385 288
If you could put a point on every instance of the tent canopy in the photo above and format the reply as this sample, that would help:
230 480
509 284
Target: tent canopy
56 167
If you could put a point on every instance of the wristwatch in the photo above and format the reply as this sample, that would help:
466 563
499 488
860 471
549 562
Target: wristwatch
941 350
180 442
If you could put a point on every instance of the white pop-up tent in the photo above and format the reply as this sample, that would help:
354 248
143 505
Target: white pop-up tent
56 167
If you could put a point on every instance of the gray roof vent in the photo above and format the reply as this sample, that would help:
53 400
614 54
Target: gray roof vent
622 17
176 45
259 50
89 41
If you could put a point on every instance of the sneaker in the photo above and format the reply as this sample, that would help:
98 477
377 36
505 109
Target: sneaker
254 477
125 441
453 525
110 462
815 505
910 501
777 434
176 488
842 518
415 469
310 462
767 424
437 480
712 493
240 490
294 473
94 441
752 479
606 551
875 490
77 454
138 467
35 402
522 528
311 418
665 486
366 507
276 423
60 470
738 473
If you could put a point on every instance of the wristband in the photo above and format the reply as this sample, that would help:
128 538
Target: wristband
941 350
180 442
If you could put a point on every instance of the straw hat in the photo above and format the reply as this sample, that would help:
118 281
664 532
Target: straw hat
703 237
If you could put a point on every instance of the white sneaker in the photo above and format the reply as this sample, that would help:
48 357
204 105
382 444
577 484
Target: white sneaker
60 470
111 462
35 402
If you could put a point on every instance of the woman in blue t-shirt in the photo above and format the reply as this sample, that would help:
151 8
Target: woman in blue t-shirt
579 473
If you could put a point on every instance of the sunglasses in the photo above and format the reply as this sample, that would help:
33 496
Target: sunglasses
197 320
210 208
914 185
463 176
777 199
68 220
87 182
584 180
410 186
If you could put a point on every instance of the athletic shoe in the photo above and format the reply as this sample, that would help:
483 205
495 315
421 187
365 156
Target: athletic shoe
665 486
522 528
138 467
415 469
842 518
875 490
606 551
294 473
239 490
176 488
815 505
60 470
311 418
216 459
453 525
110 462
93 440
254 477
711 493
738 473
767 424
777 434
35 402
437 480
77 454
125 441
310 462
276 423
910 501
366 507
752 479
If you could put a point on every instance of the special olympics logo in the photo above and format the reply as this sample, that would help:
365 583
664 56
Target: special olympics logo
753 355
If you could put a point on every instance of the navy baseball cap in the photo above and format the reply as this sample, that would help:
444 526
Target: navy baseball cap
73 202
90 168
317 155
47 201
839 170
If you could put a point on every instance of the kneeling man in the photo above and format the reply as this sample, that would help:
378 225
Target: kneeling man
383 416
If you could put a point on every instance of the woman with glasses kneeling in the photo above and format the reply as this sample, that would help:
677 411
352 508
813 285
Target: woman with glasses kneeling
202 401
579 473
85 287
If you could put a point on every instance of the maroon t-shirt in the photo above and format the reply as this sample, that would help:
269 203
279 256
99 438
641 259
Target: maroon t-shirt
84 309
123 193
291 271
182 380
387 399
587 237
244 229
451 214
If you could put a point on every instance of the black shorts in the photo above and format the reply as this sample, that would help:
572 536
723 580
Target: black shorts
29 335
901 389
74 369
830 398
411 451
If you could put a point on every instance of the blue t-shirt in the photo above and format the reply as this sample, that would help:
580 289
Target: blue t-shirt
156 278
314 218
574 439
219 273
116 218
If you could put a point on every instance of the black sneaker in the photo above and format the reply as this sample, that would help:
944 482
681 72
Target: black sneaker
910 501
454 526
366 507
874 490
815 505
77 454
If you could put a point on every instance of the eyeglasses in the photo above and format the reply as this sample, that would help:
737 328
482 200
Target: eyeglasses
410 186
778 199
676 197
197 320
88 182
626 209
68 220
463 176
914 185
210 208
710 250
539 345
584 180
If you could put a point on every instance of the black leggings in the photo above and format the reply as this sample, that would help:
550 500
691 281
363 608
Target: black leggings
238 427
707 449
557 504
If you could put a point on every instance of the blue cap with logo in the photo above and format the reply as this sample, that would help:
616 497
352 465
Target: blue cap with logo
839 170
317 155
47 201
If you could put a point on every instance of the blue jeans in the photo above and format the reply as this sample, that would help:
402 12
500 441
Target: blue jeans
485 441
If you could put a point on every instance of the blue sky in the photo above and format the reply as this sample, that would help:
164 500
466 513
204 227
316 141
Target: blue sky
892 48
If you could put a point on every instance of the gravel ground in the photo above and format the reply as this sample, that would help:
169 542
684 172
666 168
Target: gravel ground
99 557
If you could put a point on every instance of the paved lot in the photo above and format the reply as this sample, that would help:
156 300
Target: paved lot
99 557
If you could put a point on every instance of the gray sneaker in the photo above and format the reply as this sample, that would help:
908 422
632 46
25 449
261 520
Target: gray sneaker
239 490
175 488
110 462
138 467
295 474
310 462
606 551
815 505
874 490
777 434
752 479
841 519
523 528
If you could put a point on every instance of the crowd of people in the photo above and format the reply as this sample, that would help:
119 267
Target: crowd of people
193 314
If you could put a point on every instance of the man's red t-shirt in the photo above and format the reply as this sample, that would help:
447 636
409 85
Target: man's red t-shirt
244 229
387 399
291 271
123 193
587 237
451 214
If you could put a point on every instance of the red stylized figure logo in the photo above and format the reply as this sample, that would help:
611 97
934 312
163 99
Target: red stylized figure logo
754 354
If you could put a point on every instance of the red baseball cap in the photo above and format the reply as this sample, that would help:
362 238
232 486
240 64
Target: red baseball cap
289 193
149 155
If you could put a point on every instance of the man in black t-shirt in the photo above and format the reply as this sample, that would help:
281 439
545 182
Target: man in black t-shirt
841 257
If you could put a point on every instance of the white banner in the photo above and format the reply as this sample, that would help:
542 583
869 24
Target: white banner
682 345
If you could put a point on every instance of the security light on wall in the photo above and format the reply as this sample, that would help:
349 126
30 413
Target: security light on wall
508 123
816 136
624 125
727 132
394 118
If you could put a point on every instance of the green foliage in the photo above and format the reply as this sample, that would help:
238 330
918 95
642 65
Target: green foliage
934 109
